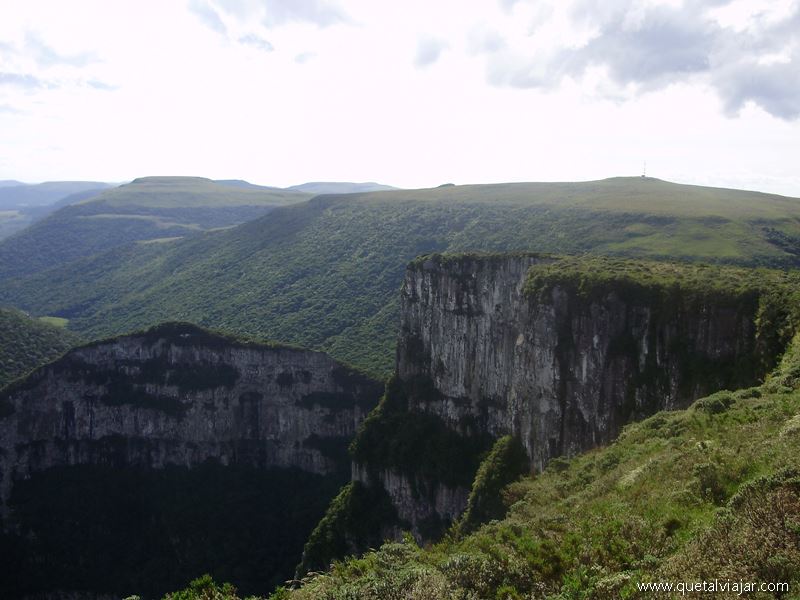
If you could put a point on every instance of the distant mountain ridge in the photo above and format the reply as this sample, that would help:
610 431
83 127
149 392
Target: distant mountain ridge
43 194
340 187
241 183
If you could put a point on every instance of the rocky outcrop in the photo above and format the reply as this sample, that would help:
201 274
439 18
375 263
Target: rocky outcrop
562 365
422 505
180 395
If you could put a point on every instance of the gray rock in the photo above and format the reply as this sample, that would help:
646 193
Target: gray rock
563 372
178 395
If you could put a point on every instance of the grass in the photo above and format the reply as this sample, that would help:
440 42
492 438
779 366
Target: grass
631 279
325 273
55 321
156 221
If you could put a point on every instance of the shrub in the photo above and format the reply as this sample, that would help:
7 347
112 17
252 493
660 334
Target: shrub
506 463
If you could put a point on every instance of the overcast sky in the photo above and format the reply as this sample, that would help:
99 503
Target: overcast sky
412 93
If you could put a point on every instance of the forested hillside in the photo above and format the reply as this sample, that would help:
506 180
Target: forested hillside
27 343
154 209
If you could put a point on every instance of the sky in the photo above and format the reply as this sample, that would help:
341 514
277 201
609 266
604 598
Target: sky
413 94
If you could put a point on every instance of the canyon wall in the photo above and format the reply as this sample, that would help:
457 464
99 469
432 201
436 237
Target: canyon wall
563 365
179 395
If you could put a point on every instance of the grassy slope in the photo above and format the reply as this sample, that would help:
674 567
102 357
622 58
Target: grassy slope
683 496
27 343
325 273
148 208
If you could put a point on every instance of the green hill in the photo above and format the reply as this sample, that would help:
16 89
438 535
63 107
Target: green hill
325 273
150 208
22 204
27 343
193 192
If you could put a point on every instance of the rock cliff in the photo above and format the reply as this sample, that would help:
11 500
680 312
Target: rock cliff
559 353
179 395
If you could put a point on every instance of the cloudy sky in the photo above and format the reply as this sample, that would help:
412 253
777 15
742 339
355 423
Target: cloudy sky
413 93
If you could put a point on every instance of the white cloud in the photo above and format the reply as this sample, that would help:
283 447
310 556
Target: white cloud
428 51
515 96
205 11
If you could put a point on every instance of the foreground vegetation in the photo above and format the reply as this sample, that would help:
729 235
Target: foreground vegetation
27 343
711 492
325 273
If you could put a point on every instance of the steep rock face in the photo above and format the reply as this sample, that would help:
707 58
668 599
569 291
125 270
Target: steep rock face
561 367
423 506
179 395
562 372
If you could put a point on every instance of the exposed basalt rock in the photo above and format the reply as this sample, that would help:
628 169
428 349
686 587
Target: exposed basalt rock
563 368
424 506
179 395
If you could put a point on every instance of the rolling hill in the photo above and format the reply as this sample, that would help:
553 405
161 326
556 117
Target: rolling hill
21 204
147 209
324 273
27 343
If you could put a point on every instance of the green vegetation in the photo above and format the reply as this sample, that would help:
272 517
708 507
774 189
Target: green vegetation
597 276
22 204
120 531
27 343
55 321
325 273
709 492
417 444
506 463
195 192
148 208
203 588
354 521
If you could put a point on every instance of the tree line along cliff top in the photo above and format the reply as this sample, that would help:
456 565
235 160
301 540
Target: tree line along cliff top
593 275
